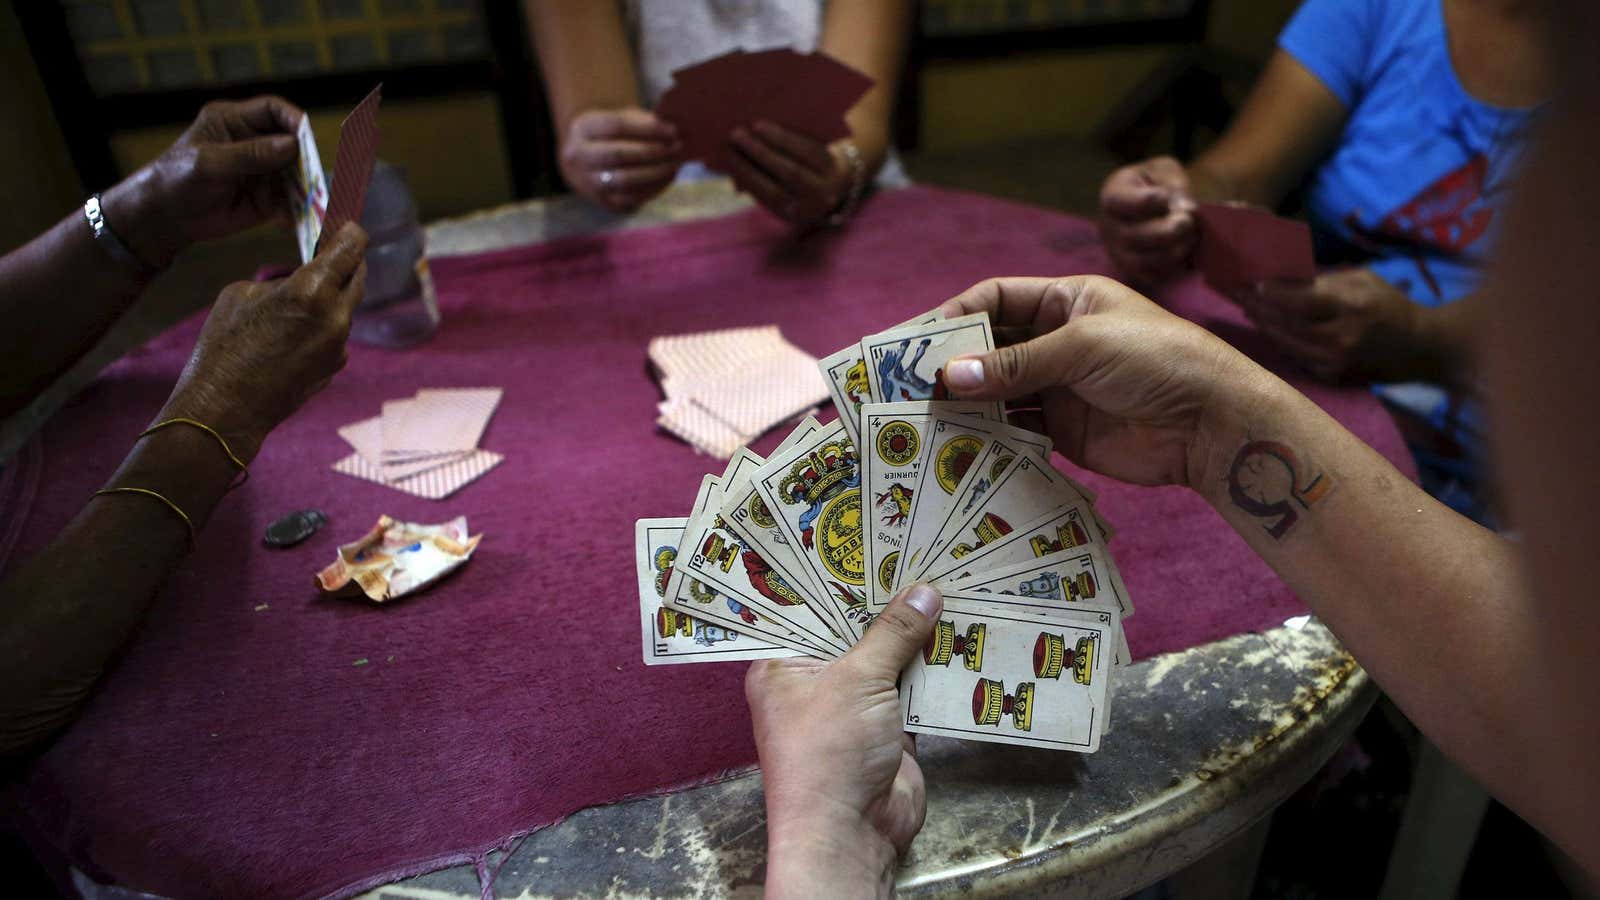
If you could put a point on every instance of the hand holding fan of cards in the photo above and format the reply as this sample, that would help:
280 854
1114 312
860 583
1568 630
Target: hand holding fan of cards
794 554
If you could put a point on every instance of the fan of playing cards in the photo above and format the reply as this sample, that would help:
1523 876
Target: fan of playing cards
794 554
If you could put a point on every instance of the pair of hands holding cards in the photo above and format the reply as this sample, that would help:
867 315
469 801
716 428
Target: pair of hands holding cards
1118 385
764 118
266 346
1338 324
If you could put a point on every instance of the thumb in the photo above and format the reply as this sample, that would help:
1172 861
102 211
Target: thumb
1016 370
899 632
258 156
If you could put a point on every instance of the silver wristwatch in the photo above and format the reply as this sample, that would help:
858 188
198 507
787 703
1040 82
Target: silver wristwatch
105 237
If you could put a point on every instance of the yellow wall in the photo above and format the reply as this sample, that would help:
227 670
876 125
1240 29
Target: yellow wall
1067 93
979 102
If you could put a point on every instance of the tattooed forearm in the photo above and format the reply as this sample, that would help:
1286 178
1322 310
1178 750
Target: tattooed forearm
1269 481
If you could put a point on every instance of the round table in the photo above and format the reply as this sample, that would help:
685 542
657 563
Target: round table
1210 740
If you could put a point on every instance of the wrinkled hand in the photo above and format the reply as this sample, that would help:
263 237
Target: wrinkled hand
844 793
267 347
1124 387
620 158
1147 220
223 175
1349 324
798 179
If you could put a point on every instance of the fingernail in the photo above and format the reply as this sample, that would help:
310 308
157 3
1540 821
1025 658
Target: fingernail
924 599
964 374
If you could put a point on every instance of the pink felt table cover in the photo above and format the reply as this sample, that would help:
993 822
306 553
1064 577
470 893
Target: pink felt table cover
238 752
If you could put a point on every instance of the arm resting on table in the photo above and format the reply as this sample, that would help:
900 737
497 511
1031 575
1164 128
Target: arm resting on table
67 612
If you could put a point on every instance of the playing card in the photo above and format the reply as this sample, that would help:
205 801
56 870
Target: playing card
706 433
891 475
955 443
813 490
717 556
437 421
308 191
746 514
436 483
1056 532
352 168
688 594
998 674
671 636
808 94
846 375
908 363
1078 577
366 438
893 435
1024 491
1240 246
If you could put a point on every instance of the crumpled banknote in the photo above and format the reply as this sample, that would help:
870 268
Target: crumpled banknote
398 558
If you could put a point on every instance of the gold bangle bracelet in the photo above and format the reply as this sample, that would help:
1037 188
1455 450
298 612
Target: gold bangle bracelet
221 442
188 524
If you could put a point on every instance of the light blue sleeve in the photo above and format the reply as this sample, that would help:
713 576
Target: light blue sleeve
1335 40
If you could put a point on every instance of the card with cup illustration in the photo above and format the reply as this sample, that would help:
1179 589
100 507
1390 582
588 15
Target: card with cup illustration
669 635
1022 492
1077 578
719 558
1004 675
954 446
701 600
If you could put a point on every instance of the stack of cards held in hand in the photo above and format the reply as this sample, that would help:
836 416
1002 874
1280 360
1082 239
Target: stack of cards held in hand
726 388
1242 246
807 93
315 210
796 553
425 445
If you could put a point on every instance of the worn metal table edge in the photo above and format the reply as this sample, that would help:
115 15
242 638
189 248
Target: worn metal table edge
1233 790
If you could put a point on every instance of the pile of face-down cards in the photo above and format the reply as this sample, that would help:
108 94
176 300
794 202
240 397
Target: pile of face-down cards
794 554
425 445
726 388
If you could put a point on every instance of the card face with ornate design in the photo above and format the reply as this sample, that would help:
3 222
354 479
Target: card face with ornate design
1001 675
846 375
908 363
688 594
813 490
1025 491
955 443
671 636
1076 578
1059 534
745 513
716 556
893 435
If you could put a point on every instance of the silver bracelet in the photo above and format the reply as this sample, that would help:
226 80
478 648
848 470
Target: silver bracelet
858 185
105 237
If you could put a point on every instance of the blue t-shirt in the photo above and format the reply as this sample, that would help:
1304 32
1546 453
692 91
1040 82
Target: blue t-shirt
1415 189
1418 183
